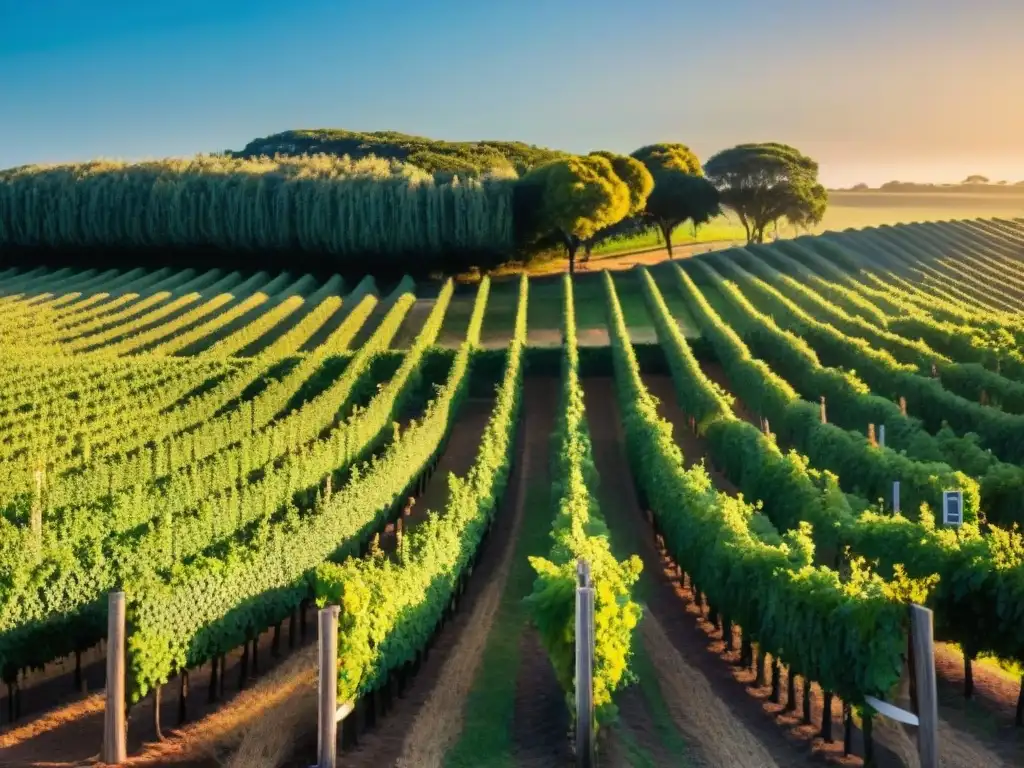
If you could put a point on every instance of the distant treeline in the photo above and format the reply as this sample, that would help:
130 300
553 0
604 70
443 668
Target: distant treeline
979 185
464 158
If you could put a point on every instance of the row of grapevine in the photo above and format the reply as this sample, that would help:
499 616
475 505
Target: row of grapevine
216 602
143 532
964 379
849 635
285 305
926 398
579 532
852 406
190 432
390 606
863 468
195 337
151 326
131 306
972 582
959 334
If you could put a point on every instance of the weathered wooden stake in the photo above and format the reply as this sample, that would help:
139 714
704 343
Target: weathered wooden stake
115 747
327 684
156 712
824 417
585 753
903 405
872 440
922 634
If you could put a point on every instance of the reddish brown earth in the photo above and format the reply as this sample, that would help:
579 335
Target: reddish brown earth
540 722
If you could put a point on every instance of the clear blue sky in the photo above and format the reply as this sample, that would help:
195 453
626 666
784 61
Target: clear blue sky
875 89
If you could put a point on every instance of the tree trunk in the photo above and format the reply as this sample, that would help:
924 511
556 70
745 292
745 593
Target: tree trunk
588 246
78 671
826 717
275 645
790 691
243 666
746 652
869 742
847 729
211 694
571 246
776 688
666 232
1019 719
968 675
807 700
759 679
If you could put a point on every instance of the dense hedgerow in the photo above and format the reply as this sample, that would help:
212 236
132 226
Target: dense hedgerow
318 203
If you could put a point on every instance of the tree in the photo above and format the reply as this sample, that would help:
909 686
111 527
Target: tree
576 197
976 179
766 182
680 190
640 183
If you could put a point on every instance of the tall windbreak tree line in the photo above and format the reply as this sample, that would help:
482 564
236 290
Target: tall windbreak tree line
346 210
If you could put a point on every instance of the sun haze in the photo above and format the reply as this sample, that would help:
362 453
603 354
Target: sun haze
916 90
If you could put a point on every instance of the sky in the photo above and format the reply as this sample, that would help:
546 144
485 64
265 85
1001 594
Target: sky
874 90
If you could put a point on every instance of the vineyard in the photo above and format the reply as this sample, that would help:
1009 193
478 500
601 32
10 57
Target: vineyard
717 437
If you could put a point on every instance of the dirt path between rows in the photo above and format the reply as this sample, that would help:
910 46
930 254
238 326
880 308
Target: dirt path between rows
424 721
725 727
540 724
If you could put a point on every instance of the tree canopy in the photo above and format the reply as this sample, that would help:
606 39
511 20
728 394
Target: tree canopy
664 157
680 191
464 158
576 197
635 174
764 183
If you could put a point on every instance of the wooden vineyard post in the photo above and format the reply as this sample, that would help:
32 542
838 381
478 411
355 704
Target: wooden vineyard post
872 440
327 684
824 416
115 749
903 405
922 639
585 756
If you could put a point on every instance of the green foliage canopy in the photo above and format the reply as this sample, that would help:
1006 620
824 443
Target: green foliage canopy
635 174
575 198
680 191
456 157
767 182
